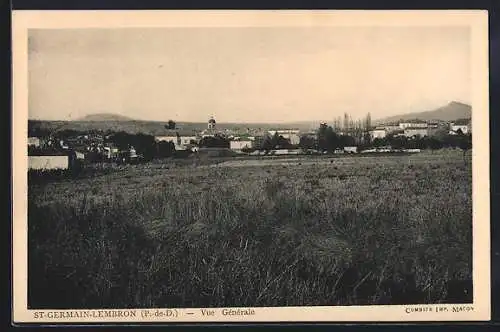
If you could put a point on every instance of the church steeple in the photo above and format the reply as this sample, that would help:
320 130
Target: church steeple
211 123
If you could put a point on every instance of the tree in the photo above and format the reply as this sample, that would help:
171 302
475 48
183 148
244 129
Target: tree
322 143
165 149
378 142
465 144
434 144
145 145
327 138
268 143
397 142
332 139
214 142
368 121
283 143
346 140
307 142
170 124
275 140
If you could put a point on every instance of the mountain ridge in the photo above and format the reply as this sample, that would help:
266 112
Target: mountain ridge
452 111
104 117
108 121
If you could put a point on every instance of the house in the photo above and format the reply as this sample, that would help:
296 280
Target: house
48 162
350 149
80 155
181 139
239 145
34 141
293 135
413 124
389 128
111 151
378 132
133 152
416 131
462 124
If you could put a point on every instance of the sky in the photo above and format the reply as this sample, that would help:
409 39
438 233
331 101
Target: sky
246 74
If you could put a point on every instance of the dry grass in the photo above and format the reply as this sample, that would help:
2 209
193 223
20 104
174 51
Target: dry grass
356 231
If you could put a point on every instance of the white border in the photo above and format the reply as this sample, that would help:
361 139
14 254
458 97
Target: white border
478 22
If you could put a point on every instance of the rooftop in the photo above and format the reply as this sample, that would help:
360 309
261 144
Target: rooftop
174 132
415 128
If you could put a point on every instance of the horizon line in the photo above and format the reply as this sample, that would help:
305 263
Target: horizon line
129 119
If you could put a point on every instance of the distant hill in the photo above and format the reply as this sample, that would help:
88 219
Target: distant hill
105 117
450 112
119 123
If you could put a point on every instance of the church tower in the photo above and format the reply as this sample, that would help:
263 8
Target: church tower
211 123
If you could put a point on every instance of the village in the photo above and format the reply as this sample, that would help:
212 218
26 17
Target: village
320 162
62 149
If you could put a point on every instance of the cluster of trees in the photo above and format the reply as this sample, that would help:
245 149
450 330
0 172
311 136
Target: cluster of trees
217 141
170 124
272 142
145 145
348 124
462 141
327 140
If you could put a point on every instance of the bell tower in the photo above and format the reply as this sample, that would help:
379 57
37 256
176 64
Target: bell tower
211 123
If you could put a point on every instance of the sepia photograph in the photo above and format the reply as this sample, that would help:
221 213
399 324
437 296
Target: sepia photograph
249 166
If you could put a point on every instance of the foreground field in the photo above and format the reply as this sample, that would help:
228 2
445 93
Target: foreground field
342 231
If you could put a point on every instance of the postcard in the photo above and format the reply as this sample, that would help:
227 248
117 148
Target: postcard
250 166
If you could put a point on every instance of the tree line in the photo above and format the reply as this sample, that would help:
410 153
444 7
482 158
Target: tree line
327 139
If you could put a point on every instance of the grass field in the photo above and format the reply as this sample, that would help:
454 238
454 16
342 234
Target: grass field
342 231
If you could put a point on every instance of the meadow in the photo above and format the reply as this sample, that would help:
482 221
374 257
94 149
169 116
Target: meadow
304 231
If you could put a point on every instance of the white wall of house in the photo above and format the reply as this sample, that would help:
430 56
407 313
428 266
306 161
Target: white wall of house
410 132
293 135
464 128
351 149
33 141
404 125
391 128
166 138
185 140
378 133
294 139
48 162
238 145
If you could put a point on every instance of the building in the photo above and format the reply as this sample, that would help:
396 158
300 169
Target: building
49 162
389 128
378 133
413 124
416 131
351 149
111 151
293 135
462 124
80 155
211 123
34 141
239 145
133 152
182 139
